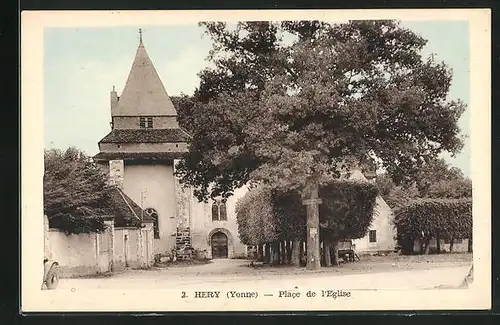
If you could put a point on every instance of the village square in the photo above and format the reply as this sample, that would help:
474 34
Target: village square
317 158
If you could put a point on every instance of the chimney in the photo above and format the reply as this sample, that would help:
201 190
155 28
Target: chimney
116 173
114 100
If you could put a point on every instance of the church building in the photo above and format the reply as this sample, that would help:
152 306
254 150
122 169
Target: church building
140 153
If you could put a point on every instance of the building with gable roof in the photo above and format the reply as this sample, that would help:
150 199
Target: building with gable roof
140 153
381 236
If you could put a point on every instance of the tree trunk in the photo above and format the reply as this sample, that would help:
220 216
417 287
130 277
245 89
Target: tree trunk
421 245
327 247
296 252
427 246
260 253
271 253
303 253
335 245
312 202
276 253
469 245
288 252
451 243
267 258
438 242
283 252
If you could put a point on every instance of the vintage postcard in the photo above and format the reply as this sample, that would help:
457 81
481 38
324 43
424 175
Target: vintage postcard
313 160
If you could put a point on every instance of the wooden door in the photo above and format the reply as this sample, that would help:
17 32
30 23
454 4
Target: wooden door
219 245
104 251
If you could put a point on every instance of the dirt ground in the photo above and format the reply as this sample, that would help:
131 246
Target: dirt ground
371 273
367 264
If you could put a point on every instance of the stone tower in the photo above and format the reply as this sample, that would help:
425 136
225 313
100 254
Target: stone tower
140 150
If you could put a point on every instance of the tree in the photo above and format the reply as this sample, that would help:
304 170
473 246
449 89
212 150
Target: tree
340 95
346 213
75 191
453 189
265 215
437 179
385 184
425 219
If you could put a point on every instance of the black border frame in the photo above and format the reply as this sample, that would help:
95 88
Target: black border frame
11 162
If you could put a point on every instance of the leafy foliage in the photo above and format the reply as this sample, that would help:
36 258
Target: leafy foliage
435 180
424 218
348 209
279 114
75 191
401 196
255 217
438 180
265 215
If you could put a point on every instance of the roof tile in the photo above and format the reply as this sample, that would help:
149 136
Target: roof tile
144 93
124 209
146 136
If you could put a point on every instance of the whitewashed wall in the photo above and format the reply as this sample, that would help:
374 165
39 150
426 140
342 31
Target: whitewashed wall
382 223
385 231
157 183
76 254
112 250
461 247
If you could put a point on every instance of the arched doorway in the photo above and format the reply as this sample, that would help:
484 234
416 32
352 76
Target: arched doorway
219 245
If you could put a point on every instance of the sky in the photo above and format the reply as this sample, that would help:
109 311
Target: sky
81 66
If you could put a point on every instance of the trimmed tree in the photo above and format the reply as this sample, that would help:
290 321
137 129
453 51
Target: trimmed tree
425 219
339 94
346 213
265 216
75 191
436 180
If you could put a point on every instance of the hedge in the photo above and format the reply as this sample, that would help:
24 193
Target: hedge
264 215
426 218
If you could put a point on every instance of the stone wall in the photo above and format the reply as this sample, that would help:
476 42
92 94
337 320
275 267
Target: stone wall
183 218
202 226
182 198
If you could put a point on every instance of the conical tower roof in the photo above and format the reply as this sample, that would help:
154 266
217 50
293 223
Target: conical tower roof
144 93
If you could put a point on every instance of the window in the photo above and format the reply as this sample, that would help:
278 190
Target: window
219 212
372 236
146 122
215 211
154 215
222 211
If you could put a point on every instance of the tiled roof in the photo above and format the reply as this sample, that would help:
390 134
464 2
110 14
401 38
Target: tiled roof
146 136
144 93
124 209
131 156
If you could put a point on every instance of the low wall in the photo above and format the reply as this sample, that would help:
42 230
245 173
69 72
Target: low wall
459 246
113 250
76 254
133 248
